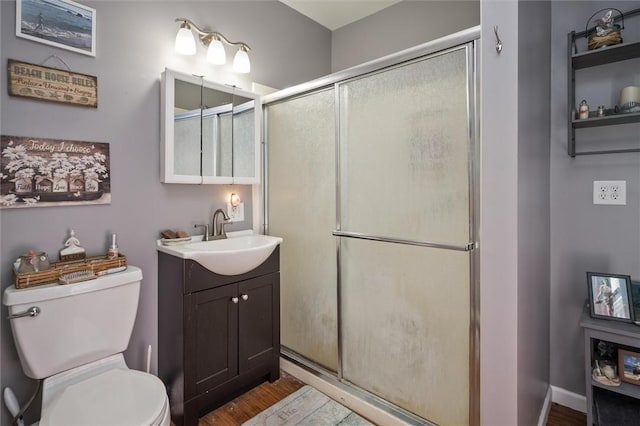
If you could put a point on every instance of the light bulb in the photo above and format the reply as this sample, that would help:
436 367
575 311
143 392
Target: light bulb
241 62
215 53
234 200
185 43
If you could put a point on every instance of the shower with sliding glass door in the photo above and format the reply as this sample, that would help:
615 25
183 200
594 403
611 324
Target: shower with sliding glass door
371 180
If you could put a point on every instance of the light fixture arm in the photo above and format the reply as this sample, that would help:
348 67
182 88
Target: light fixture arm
206 36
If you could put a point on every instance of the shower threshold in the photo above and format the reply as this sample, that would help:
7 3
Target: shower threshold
370 406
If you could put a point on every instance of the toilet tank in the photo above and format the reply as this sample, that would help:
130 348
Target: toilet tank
77 324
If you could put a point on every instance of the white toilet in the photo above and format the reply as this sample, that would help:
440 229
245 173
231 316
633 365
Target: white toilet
75 343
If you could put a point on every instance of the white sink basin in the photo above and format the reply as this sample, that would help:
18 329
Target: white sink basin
234 255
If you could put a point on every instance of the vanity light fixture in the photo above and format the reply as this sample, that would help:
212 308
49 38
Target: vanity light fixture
213 41
234 200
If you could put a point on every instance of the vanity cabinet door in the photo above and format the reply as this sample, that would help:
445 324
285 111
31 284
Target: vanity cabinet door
259 320
211 339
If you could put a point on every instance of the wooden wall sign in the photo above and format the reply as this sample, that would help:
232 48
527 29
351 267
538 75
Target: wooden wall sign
36 172
51 84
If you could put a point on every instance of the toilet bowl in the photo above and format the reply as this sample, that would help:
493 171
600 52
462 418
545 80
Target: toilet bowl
105 393
75 343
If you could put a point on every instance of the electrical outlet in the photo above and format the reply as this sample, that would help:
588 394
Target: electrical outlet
610 192
236 214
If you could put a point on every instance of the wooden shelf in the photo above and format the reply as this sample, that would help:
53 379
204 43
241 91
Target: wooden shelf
608 120
624 388
617 333
626 329
606 55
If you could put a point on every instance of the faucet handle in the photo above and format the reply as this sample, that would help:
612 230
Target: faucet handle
223 231
206 231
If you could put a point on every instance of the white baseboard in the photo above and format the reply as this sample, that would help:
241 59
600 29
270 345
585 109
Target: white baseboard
546 407
569 399
372 413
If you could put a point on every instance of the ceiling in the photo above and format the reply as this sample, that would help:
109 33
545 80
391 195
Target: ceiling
334 14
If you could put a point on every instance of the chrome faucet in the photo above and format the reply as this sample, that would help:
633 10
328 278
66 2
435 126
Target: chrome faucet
218 226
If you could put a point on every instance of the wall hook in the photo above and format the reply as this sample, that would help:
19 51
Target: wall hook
498 41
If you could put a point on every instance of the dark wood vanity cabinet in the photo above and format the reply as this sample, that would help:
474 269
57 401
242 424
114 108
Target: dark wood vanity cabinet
218 336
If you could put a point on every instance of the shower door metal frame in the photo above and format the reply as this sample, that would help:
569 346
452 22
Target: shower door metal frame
468 40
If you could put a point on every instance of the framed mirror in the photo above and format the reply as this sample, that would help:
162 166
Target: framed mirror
210 132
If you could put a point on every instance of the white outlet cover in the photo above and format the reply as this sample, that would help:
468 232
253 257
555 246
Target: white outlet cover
236 214
612 192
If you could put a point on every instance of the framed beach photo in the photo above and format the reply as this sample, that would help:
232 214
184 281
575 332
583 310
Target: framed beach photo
629 366
59 23
610 296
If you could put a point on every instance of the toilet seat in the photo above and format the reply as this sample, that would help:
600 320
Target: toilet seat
116 397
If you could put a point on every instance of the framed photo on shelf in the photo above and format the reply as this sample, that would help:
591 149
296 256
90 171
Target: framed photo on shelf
60 23
610 296
629 366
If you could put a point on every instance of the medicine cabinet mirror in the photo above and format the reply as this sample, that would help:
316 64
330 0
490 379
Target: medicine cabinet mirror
210 132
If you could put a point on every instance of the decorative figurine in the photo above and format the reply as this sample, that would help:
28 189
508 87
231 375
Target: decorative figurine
604 25
72 250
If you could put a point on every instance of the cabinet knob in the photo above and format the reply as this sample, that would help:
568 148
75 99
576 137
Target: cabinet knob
245 297
235 299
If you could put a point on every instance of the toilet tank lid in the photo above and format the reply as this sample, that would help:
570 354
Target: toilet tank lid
13 296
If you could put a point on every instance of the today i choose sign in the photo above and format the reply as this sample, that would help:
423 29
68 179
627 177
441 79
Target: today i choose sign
51 84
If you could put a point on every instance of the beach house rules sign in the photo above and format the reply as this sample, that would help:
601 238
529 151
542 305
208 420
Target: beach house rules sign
51 84
37 172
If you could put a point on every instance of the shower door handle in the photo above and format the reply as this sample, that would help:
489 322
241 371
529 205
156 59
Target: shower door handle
456 247
33 311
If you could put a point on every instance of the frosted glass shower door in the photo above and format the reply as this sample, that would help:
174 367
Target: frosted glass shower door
301 210
405 228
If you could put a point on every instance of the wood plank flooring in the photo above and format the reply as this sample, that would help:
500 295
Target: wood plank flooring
564 416
262 397
253 402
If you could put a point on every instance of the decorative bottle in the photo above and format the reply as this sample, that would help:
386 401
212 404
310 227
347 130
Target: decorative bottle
113 249
583 112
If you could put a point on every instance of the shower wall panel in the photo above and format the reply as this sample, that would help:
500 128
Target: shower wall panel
302 210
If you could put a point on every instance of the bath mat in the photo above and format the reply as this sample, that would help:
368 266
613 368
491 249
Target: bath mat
307 407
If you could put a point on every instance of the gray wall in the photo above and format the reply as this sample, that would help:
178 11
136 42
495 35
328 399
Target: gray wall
398 27
514 241
128 118
587 237
499 216
534 31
